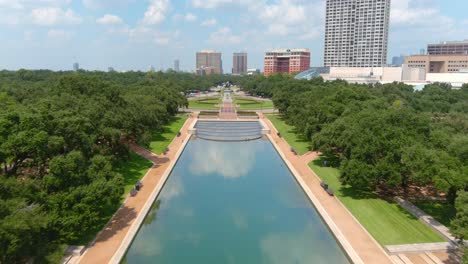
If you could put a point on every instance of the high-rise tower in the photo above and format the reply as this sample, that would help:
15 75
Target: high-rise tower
356 33
209 61
239 63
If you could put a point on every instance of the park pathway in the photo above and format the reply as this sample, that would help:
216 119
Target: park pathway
310 156
228 109
108 241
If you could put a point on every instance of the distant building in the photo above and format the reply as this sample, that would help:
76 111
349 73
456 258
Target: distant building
448 47
110 69
177 65
312 72
151 68
209 61
239 63
76 66
253 72
203 71
356 33
286 61
445 57
438 63
398 60
370 75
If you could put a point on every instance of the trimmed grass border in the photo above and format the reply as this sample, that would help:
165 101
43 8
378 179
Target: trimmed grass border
289 133
205 103
386 221
161 140
246 104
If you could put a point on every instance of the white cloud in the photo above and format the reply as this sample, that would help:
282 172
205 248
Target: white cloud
225 36
295 18
156 12
106 4
208 4
209 23
162 40
11 4
58 34
190 17
53 15
109 19
406 12
285 12
229 161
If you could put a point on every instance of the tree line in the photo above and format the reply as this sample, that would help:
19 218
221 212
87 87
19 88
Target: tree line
382 137
61 137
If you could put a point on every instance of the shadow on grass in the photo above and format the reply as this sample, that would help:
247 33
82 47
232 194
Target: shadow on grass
343 190
441 211
165 135
133 170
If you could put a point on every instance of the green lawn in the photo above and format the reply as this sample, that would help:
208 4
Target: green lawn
298 142
133 170
206 103
246 104
161 140
441 211
388 223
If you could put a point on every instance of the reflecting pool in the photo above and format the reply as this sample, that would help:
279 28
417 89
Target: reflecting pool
233 202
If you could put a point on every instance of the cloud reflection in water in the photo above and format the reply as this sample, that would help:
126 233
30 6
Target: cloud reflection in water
230 160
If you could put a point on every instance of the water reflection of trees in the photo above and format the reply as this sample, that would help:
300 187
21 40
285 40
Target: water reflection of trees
152 214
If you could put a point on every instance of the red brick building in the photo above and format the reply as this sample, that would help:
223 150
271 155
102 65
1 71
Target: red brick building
287 61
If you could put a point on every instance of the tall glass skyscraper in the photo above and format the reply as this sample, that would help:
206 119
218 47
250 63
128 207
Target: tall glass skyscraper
356 33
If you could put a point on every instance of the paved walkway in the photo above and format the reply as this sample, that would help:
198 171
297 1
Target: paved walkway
110 238
228 109
310 156
361 241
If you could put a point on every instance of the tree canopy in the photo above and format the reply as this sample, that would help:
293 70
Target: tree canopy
61 137
382 136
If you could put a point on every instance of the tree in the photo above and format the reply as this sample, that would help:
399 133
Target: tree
459 225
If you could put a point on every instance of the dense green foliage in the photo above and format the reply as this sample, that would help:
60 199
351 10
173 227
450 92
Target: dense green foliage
61 141
383 137
459 225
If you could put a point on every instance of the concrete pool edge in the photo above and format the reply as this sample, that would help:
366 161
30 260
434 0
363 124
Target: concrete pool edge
126 242
346 245
336 232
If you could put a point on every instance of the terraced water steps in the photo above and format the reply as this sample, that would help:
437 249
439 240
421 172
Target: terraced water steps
228 131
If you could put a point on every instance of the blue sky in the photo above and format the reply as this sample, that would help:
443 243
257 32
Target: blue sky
134 34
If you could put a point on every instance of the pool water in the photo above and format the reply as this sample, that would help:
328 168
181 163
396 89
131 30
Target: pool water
233 202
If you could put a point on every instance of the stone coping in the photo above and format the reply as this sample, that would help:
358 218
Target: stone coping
421 247
116 259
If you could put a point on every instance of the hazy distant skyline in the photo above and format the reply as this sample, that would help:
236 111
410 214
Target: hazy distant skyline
134 34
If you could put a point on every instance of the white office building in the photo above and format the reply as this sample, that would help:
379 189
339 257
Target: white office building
356 33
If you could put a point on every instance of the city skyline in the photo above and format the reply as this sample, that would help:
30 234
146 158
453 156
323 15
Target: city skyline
131 35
